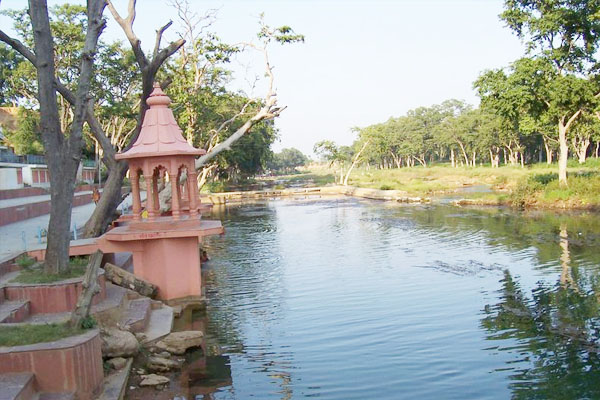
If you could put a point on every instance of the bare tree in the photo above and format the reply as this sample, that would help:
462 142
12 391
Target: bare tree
63 149
111 196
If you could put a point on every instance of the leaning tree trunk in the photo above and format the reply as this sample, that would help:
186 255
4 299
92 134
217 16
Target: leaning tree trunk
90 289
549 152
104 213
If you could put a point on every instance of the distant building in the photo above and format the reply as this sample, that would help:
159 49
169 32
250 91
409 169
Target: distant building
17 171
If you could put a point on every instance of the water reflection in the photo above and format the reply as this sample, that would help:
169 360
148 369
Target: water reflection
355 299
552 334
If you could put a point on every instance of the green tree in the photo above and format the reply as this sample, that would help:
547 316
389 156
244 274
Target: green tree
287 160
564 36
26 137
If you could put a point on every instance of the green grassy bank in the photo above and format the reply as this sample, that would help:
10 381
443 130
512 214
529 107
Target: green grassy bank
532 186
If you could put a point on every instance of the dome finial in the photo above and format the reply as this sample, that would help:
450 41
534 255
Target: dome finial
158 97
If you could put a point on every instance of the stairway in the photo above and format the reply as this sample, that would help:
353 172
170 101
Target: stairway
21 386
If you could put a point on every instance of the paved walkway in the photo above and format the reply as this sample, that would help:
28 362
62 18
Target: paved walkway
23 235
32 199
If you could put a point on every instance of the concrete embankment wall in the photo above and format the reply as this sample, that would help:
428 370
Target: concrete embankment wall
9 215
375 194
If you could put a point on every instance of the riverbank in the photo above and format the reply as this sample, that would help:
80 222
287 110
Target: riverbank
534 186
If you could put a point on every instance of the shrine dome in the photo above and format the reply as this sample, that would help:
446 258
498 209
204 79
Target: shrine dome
160 135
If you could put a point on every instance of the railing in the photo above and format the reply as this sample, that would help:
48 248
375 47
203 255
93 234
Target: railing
10 158
34 159
26 159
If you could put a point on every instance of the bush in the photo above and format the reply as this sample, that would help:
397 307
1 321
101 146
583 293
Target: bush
544 179
526 192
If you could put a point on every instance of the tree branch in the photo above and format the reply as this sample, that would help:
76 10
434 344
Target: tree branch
159 33
127 26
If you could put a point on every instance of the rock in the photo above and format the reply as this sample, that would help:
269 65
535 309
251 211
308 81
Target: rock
140 336
162 364
179 342
117 362
153 380
164 354
118 343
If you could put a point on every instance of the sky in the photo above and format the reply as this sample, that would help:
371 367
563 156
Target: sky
362 62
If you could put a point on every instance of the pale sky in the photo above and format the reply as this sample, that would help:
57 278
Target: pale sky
362 62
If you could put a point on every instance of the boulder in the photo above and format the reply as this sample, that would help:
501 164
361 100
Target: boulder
162 364
153 380
179 342
118 343
117 362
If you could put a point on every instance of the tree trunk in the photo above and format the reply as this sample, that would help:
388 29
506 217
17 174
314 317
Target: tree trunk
63 152
466 157
581 147
597 148
90 289
522 159
356 159
104 213
563 156
549 151
452 160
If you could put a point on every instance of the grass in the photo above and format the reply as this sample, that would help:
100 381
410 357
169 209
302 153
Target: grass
31 274
533 186
28 334
582 191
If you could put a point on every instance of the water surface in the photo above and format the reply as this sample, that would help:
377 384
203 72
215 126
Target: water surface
352 299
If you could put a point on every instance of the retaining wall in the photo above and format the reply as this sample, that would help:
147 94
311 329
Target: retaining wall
52 297
10 215
70 365
22 192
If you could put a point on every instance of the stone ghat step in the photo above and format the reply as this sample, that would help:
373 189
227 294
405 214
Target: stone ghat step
137 315
17 386
14 311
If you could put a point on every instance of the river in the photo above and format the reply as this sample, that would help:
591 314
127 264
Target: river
356 299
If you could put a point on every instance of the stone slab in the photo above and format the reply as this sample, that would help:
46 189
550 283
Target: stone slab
159 325
115 384
135 318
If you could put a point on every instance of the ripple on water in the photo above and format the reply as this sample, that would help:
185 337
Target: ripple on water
351 299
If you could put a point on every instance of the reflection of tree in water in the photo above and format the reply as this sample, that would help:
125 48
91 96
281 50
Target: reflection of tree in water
556 331
514 231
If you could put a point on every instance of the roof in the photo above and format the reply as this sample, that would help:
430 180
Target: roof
160 135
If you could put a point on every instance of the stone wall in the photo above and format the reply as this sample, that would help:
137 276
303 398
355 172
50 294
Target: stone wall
72 364
52 297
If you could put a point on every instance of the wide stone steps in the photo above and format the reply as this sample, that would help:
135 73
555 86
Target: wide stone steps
21 386
14 311
17 386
